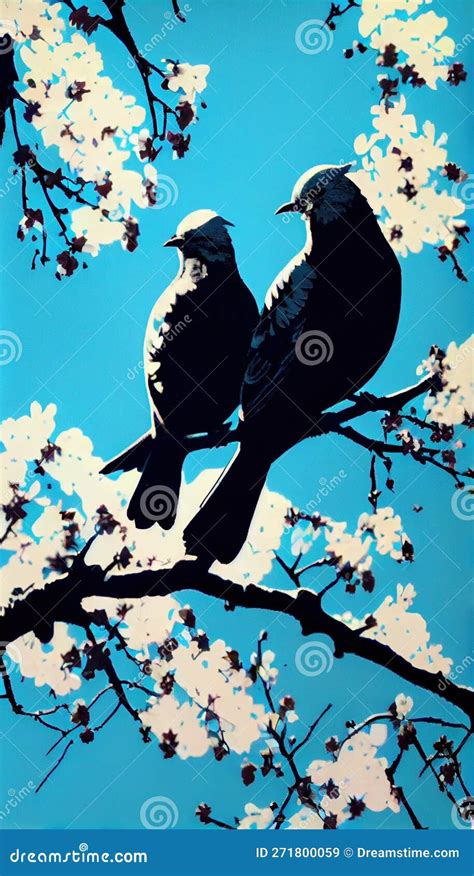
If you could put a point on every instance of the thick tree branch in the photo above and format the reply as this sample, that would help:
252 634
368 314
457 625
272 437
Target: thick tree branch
61 601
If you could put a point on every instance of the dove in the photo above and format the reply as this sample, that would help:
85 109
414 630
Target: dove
328 323
196 344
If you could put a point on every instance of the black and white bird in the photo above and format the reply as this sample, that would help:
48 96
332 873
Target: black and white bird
196 345
328 322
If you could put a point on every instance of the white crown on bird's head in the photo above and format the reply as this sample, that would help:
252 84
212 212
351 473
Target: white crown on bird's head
320 187
203 233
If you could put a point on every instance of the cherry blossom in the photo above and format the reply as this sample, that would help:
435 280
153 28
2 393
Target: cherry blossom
429 216
404 705
406 631
449 406
191 80
358 772
419 38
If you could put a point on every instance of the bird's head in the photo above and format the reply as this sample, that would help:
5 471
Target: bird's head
324 192
203 235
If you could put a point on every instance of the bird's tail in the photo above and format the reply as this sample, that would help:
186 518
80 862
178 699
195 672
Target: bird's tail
220 528
160 459
134 456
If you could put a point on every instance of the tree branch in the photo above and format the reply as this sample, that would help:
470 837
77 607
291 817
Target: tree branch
61 601
329 421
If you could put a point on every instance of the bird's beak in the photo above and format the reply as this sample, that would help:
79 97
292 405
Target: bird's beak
285 208
174 241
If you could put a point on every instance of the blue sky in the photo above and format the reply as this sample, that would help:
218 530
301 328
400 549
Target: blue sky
272 113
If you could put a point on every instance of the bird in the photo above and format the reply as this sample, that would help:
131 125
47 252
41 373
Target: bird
195 349
328 322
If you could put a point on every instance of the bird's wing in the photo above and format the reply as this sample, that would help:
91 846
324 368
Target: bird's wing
272 351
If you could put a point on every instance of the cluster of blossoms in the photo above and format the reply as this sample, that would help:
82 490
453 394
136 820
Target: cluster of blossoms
68 98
